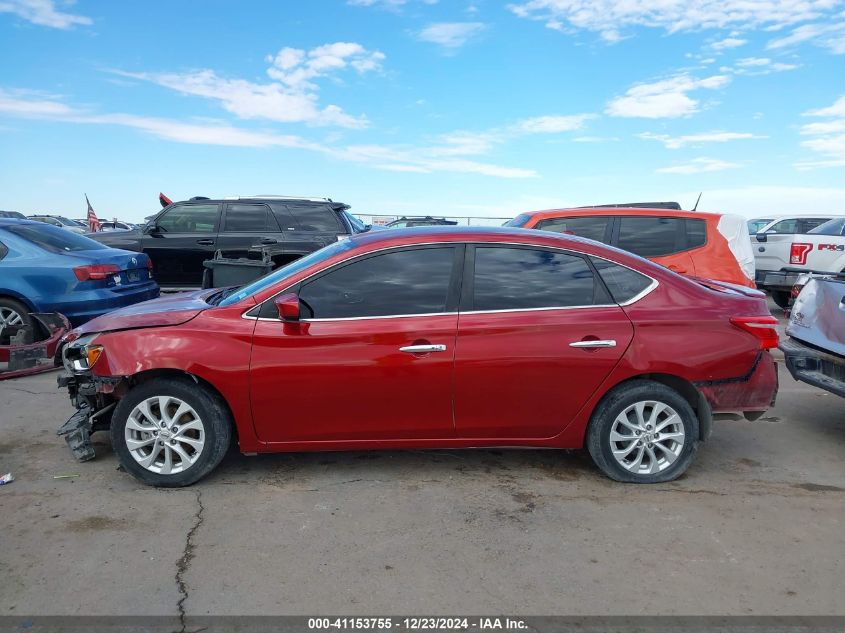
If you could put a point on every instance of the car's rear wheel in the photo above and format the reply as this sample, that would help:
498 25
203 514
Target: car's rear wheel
170 432
781 298
643 432
13 313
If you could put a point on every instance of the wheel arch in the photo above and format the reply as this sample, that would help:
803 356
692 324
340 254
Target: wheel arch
684 387
6 293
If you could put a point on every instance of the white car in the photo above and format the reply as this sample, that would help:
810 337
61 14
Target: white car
781 258
787 223
59 221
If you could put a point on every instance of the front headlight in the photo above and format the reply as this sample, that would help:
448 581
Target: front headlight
81 355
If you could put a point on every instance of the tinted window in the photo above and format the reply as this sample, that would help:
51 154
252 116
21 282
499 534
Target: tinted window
808 224
189 218
54 239
832 227
624 284
592 228
696 233
403 282
315 217
784 226
648 236
522 278
3 250
249 218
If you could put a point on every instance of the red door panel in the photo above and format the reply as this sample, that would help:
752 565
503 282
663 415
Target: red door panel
346 379
516 375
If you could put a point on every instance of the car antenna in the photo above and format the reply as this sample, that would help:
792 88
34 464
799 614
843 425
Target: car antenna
695 208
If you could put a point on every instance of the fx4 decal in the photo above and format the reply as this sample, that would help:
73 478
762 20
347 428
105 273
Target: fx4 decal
832 247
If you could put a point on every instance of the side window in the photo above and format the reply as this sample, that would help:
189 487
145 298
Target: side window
284 217
402 282
526 278
806 225
624 284
592 228
696 233
315 217
190 218
648 236
4 250
251 218
784 226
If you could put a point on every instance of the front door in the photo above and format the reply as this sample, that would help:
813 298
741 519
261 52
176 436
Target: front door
184 236
537 335
371 358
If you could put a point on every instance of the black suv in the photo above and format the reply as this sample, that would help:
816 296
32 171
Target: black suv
184 234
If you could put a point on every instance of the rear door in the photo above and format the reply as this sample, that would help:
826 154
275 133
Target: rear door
246 226
184 237
537 335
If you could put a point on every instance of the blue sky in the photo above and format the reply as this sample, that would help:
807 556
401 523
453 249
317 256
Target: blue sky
449 107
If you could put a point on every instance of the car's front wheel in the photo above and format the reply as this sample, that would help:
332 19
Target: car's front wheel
13 312
643 432
170 432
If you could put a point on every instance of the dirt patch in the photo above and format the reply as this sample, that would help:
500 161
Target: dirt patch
95 524
818 487
746 461
527 499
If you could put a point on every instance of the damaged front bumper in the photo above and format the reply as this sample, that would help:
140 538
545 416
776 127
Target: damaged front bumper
93 397
23 355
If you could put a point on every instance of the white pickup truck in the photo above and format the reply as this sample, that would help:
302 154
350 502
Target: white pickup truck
781 258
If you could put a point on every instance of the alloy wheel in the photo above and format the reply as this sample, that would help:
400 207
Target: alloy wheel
164 434
8 317
647 437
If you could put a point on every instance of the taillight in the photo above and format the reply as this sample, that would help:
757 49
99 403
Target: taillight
798 253
763 327
95 271
150 267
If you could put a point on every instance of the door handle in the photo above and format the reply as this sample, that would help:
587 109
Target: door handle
592 344
205 242
268 240
677 269
422 349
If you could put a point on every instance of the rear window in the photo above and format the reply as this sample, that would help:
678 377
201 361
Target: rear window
831 227
624 284
519 221
591 227
648 236
53 239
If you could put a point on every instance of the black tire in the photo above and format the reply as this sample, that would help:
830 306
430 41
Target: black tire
212 410
13 305
207 279
614 403
781 298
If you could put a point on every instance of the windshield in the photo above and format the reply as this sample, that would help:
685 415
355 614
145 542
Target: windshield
289 269
518 221
53 239
831 227
66 221
357 225
754 226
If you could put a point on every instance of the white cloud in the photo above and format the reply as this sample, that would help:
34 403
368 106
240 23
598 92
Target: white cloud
43 13
728 42
446 156
666 98
826 137
755 66
677 142
293 95
610 17
827 35
450 35
699 165
553 124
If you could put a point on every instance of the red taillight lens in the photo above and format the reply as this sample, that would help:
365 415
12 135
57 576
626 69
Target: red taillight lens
798 253
95 271
763 327
149 264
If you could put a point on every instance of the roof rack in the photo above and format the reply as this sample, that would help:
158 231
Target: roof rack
637 205
308 198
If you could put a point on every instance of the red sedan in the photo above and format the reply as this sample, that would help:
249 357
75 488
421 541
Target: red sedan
427 338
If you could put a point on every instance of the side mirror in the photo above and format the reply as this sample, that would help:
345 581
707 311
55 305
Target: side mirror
288 306
151 228
762 237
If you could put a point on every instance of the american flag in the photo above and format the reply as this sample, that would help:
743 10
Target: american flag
93 222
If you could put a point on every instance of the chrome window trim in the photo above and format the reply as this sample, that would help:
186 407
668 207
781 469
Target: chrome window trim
654 284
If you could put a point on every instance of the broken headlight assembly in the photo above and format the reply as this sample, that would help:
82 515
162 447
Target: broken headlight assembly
81 355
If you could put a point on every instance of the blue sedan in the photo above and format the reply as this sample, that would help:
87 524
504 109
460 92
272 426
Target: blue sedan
46 269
